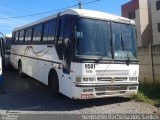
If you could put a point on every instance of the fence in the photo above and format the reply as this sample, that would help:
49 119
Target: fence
149 60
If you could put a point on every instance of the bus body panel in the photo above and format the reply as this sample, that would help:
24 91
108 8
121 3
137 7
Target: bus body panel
37 60
105 75
1 76
39 67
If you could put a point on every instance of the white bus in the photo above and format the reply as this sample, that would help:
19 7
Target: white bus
82 54
1 75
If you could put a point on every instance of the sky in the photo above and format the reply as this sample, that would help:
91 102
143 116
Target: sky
14 8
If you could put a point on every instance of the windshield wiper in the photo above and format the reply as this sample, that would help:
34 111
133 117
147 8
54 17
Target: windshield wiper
101 57
125 48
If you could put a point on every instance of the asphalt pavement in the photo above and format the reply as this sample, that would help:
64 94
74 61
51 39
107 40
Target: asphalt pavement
27 96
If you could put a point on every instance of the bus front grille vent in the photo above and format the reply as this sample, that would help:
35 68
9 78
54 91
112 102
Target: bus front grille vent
111 90
112 72
111 93
109 79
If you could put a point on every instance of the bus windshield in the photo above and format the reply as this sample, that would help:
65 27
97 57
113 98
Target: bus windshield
94 39
124 41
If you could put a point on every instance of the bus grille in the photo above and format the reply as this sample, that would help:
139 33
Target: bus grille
109 79
110 90
112 72
111 93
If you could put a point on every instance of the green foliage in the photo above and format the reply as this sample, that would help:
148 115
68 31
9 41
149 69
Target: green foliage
149 94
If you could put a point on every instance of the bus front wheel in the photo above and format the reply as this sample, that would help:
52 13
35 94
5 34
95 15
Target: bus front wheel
54 84
20 69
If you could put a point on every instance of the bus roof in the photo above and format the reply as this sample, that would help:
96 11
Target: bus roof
84 13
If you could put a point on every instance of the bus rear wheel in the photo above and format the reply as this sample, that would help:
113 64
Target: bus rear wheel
54 84
21 74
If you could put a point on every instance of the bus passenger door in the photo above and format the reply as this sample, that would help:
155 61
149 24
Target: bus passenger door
67 49
66 59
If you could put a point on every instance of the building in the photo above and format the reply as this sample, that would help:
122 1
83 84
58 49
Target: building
139 10
146 14
155 10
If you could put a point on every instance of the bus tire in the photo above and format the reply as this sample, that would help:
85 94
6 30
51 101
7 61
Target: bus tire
21 74
54 83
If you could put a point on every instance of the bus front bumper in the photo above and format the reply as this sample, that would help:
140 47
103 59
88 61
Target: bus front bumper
91 90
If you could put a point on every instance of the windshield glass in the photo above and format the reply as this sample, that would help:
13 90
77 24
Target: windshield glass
93 38
124 41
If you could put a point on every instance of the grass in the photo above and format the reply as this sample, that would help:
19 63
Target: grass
148 94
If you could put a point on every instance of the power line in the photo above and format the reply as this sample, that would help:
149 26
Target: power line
36 14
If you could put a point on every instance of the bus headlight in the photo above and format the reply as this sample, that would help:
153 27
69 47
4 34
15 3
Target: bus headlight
132 88
78 79
88 79
85 79
87 90
133 79
91 79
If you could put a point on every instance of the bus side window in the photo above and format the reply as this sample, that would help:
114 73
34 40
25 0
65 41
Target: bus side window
13 37
37 33
24 35
21 36
17 37
28 35
49 31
